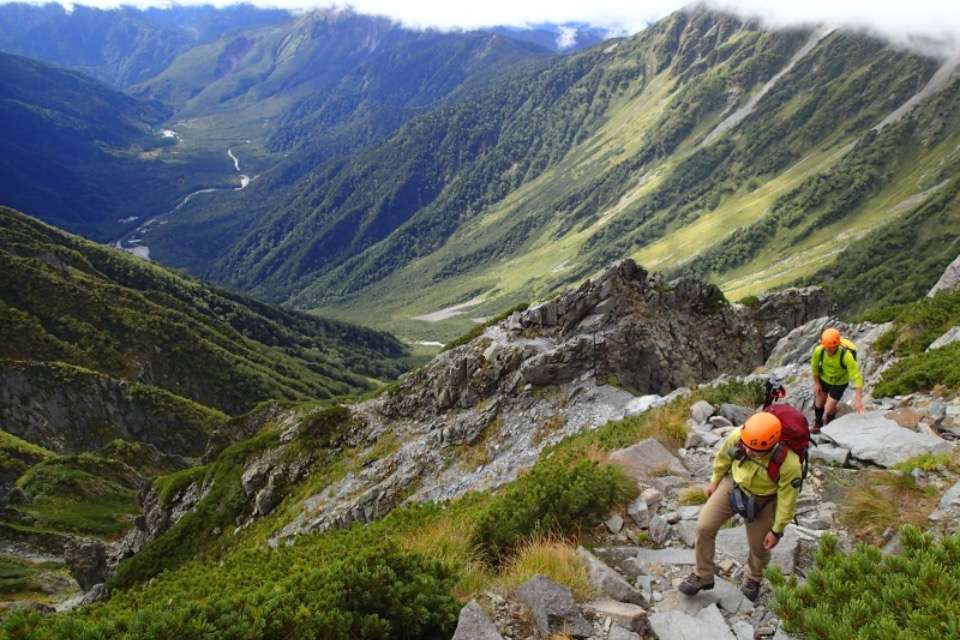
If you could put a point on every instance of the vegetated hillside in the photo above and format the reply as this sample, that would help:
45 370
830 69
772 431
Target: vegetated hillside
703 145
86 157
297 96
64 299
121 46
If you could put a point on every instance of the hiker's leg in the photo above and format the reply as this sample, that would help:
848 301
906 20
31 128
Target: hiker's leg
714 513
833 399
759 557
829 410
819 401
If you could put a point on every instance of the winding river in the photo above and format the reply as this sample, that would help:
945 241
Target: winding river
135 242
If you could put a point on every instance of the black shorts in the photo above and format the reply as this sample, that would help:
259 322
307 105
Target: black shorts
835 391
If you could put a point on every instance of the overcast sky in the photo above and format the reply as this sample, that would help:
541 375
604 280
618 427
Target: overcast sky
900 20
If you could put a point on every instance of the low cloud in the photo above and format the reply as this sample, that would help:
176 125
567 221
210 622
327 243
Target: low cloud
932 26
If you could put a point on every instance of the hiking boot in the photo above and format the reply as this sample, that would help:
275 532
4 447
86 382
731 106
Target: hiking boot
750 588
694 584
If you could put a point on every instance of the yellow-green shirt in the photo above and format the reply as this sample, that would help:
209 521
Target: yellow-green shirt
752 475
833 372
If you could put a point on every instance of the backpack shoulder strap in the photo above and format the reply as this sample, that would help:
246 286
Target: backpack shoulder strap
776 460
843 354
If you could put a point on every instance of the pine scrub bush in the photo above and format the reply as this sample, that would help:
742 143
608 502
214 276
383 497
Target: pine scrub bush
866 595
552 498
345 586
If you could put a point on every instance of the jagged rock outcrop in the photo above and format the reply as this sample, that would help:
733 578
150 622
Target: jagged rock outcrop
87 561
155 519
627 327
949 280
493 404
782 311
73 410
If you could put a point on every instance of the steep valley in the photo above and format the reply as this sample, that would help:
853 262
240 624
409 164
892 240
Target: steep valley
440 333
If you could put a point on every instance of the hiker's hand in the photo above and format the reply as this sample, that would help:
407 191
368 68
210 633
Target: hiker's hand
816 387
858 405
711 488
770 541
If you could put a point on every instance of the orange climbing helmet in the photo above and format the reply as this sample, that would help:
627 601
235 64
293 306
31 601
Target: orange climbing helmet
830 338
761 432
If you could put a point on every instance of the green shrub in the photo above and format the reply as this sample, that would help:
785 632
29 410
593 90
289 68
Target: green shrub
342 586
169 486
747 394
922 372
925 462
552 498
866 595
80 494
917 324
191 536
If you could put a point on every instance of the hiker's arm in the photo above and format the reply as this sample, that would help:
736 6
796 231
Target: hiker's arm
721 464
856 378
814 372
787 495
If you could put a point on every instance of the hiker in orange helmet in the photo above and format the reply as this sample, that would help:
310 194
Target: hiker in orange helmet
743 483
834 365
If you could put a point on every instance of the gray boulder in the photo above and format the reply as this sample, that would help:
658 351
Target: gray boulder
743 630
724 594
553 608
701 411
639 512
614 523
676 625
875 438
97 594
629 616
607 581
643 403
474 624
735 413
646 459
619 633
830 454
87 562
732 543
719 422
649 558
659 529
949 507
951 336
949 279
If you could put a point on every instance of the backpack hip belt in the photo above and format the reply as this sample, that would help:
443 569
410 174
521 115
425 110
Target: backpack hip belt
747 505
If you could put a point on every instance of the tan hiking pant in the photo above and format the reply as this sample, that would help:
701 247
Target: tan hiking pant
713 515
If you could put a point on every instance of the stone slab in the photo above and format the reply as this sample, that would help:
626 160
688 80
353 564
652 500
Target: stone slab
875 438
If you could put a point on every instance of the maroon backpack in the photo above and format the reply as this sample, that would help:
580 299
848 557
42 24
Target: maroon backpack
794 436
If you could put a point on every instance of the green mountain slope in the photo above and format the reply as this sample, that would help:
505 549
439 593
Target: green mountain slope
291 98
88 158
121 46
63 299
703 145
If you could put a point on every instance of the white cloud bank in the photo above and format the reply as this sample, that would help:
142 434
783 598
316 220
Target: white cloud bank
919 23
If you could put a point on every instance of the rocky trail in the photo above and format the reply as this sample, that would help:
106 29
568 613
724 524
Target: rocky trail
628 342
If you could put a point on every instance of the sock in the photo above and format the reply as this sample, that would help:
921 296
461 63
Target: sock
830 417
818 414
